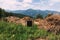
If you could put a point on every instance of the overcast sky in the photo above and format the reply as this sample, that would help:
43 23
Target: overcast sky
30 4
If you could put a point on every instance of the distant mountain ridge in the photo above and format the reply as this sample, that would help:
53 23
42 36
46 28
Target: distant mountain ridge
32 12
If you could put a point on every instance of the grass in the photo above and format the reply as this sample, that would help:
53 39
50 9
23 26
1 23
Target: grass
11 31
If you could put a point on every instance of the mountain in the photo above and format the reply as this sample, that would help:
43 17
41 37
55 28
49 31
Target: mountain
32 12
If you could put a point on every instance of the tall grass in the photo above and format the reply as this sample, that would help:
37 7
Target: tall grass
12 31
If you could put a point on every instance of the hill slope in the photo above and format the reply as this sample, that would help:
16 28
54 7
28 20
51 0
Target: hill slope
32 12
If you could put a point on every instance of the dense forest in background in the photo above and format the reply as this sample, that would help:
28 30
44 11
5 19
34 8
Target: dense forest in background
4 13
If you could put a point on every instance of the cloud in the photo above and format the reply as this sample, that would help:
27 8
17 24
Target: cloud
27 1
35 1
14 5
55 0
34 4
19 0
7 4
56 6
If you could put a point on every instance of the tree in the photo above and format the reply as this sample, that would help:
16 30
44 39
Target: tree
2 13
49 14
39 16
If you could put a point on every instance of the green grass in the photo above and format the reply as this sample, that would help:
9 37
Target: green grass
11 31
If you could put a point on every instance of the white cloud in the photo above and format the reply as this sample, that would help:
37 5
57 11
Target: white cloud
52 2
55 0
7 4
27 1
41 7
15 5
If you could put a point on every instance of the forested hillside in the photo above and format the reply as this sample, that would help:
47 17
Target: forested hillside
4 13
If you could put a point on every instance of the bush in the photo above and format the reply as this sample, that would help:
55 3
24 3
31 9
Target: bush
52 36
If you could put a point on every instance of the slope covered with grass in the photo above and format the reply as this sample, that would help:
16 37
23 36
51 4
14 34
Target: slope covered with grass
11 31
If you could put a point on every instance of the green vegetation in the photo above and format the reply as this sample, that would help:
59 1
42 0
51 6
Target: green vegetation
38 16
3 14
49 15
11 31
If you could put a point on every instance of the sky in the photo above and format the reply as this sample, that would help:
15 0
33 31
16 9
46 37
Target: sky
30 4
